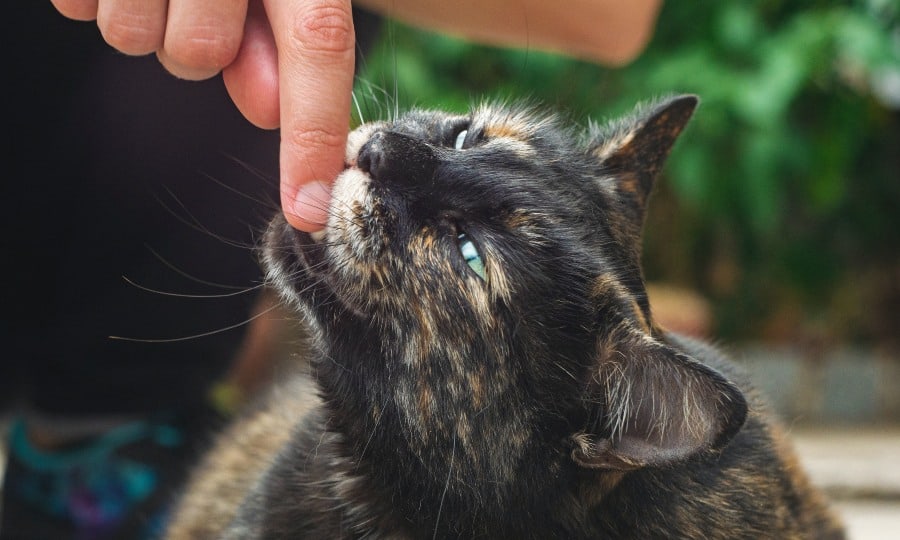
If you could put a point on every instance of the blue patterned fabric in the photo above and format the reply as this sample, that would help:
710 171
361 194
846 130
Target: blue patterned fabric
93 486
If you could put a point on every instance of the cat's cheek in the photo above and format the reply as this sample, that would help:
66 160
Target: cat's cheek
351 190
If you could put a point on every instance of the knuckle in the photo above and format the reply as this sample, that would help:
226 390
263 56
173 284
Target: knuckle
326 27
312 139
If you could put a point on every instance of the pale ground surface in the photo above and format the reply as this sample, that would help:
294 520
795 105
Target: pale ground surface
858 467
871 520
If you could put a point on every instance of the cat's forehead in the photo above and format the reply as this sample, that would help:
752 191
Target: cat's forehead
521 121
492 120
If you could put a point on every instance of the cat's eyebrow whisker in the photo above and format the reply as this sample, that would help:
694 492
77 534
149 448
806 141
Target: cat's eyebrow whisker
372 102
396 75
374 99
200 335
363 67
186 295
359 113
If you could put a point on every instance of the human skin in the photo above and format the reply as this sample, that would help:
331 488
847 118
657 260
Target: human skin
289 63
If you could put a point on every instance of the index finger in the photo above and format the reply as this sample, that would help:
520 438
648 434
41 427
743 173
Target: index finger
315 43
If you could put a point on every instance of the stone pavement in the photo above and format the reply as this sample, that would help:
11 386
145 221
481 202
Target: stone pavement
870 520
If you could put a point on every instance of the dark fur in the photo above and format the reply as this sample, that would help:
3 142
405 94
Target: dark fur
541 402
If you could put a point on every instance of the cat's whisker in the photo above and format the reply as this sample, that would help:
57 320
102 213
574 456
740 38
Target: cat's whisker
437 519
200 335
191 277
368 441
266 203
195 224
326 208
188 295
254 171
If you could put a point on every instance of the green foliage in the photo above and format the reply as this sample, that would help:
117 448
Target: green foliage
786 187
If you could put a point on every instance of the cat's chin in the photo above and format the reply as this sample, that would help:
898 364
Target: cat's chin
290 258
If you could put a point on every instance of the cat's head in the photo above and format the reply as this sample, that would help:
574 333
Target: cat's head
479 283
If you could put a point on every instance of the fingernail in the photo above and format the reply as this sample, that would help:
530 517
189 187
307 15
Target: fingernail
311 203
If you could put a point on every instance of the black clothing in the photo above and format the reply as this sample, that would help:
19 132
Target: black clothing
116 168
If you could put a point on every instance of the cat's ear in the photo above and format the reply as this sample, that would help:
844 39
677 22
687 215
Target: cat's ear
652 405
631 152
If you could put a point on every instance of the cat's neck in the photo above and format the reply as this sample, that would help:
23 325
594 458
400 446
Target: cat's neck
460 468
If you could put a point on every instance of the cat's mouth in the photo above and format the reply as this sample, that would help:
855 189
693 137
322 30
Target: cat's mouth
349 194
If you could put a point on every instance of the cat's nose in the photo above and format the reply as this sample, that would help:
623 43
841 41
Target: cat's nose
395 157
371 155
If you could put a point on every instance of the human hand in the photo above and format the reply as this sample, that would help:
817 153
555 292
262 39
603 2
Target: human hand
286 63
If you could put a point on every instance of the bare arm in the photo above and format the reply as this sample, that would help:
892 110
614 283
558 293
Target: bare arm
611 32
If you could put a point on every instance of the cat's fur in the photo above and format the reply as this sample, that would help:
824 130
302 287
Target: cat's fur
539 402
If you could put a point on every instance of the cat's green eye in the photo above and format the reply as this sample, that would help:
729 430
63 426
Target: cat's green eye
460 139
471 255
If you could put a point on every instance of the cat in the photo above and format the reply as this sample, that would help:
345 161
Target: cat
487 364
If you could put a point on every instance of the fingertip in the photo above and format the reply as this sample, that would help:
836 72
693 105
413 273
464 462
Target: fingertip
252 79
182 71
78 10
256 99
308 209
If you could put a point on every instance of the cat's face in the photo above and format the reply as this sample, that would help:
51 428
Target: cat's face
479 278
459 213
455 226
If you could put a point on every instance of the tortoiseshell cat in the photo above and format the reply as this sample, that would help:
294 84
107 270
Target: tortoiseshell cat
488 364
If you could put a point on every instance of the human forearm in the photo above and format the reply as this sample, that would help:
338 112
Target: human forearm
606 31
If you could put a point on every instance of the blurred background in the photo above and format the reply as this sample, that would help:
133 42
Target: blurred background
775 228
